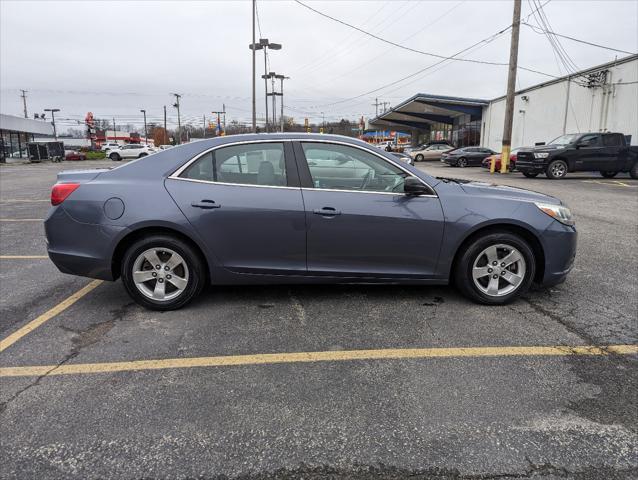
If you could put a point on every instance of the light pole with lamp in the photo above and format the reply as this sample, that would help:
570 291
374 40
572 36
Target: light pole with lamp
282 78
53 110
145 132
264 45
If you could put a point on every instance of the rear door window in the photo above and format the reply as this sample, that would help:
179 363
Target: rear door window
612 140
249 164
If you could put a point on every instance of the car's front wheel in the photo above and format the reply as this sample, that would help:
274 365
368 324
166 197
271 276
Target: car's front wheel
162 272
495 269
419 158
556 170
462 162
141 155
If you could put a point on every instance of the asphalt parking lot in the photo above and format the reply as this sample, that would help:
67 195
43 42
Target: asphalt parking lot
322 381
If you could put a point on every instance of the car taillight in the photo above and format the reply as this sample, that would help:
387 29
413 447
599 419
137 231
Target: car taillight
60 191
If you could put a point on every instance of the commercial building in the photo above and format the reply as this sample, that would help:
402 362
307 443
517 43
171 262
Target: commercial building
16 132
601 98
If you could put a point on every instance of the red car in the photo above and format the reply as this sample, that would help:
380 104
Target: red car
512 165
74 155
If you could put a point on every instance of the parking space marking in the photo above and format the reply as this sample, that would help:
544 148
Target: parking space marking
23 257
613 183
21 220
22 200
312 357
49 314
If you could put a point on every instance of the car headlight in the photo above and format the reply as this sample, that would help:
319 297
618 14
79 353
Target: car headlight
557 212
541 155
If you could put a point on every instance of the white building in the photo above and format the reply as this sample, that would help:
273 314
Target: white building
601 98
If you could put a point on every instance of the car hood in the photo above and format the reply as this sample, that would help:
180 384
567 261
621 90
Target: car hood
502 191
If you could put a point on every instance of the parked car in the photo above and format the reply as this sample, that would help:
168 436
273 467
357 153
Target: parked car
427 144
607 153
387 146
299 208
72 154
497 158
133 150
404 157
430 152
109 146
466 156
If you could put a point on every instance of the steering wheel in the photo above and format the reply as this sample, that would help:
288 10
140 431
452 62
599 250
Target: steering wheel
366 179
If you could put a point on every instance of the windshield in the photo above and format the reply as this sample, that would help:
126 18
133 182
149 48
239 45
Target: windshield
564 139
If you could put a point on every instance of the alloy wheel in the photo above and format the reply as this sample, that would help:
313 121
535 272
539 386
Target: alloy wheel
499 270
558 170
160 274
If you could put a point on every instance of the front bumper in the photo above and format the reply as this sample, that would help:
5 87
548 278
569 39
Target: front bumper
559 245
78 248
530 166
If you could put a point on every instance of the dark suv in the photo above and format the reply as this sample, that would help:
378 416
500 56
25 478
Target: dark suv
607 153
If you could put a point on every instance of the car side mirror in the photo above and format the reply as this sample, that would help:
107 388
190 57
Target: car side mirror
414 186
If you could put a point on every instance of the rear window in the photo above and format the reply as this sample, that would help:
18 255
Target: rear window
612 140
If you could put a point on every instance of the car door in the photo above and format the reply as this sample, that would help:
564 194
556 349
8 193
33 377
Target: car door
590 154
612 159
359 221
245 202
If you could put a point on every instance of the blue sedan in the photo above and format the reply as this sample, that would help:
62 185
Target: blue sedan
300 208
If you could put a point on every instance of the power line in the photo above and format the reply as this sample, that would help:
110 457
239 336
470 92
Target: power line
542 31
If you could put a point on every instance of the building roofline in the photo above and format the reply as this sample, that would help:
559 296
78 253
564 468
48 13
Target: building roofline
613 63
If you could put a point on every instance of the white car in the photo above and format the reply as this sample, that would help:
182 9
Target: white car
133 150
109 146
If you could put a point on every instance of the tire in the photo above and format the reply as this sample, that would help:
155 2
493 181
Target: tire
461 162
474 254
190 271
531 174
556 170
608 174
115 157
419 158
141 155
634 171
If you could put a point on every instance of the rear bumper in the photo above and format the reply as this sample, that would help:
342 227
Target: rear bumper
80 248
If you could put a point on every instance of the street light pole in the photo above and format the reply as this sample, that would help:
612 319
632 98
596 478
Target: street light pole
145 132
254 72
179 123
53 110
264 45
282 78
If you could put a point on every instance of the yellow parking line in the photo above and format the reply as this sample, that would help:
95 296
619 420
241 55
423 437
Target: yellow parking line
23 257
21 220
309 357
59 308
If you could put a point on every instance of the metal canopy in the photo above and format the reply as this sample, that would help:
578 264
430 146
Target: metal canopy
423 110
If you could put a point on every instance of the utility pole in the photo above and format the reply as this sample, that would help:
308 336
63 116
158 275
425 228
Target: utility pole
254 71
274 101
24 102
384 106
204 116
179 123
114 131
165 131
511 85
219 122
376 106
265 45
145 131
224 112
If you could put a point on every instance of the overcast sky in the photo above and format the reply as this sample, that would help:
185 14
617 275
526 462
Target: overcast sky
115 57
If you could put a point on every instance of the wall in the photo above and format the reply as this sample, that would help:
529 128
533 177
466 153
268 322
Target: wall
547 115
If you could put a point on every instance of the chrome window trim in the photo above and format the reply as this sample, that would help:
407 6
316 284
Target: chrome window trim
176 174
400 194
233 184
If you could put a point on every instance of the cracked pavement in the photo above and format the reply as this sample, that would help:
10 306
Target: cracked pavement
433 418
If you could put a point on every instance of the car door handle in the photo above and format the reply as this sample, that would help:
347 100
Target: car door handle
206 204
326 211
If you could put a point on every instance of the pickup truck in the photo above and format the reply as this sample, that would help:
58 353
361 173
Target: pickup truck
607 153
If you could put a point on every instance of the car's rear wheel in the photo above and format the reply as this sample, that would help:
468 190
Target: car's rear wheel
162 272
556 170
115 157
531 174
419 158
142 155
634 171
495 269
608 174
462 162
